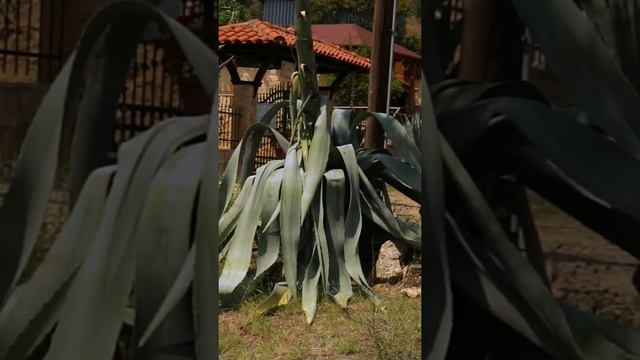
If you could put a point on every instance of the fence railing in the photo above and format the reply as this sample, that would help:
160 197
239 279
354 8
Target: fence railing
31 39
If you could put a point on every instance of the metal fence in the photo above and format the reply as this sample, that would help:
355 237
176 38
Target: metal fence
31 39
150 94
228 138
269 149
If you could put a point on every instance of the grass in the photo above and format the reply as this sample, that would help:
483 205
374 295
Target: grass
359 332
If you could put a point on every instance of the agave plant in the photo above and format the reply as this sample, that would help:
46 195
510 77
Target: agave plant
313 211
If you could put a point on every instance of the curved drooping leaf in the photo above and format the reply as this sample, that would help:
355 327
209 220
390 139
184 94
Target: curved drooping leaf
118 17
486 282
339 279
395 172
253 135
398 135
377 211
163 241
436 331
317 160
353 222
318 264
23 207
456 94
269 243
106 276
520 274
238 258
535 171
290 217
580 152
585 66
32 309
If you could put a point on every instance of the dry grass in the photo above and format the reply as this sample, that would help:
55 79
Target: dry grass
359 332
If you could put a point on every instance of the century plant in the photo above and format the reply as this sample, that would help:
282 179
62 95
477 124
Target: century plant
310 207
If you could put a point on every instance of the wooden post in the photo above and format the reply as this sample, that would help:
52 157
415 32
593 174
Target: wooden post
379 78
491 41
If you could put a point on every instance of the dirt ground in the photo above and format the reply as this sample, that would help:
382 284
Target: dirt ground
587 271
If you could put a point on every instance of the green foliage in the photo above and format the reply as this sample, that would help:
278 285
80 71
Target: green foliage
324 11
235 11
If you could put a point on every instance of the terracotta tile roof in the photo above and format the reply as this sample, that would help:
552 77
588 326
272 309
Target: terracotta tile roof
355 35
261 32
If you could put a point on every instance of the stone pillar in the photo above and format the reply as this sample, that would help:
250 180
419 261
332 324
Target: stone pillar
325 97
286 69
245 103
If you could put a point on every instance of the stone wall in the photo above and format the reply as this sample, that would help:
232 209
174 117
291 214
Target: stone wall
18 105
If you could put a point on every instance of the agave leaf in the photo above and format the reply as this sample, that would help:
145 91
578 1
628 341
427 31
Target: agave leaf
229 219
252 136
339 276
585 66
382 216
318 262
281 295
393 171
342 126
24 204
317 161
238 258
177 291
581 153
520 273
105 278
32 309
537 173
398 135
439 310
353 222
471 279
163 241
269 243
310 286
502 299
458 94
290 218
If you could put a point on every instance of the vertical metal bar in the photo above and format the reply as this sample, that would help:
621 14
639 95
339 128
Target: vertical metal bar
49 31
5 33
29 24
163 100
145 70
135 110
16 58
154 82
60 53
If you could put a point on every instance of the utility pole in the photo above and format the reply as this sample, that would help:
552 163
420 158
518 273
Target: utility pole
210 23
380 68
491 41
